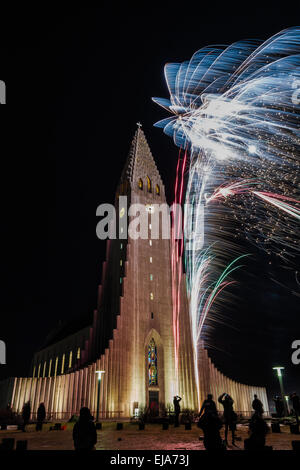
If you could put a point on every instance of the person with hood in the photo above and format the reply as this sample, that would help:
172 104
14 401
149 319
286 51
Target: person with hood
84 431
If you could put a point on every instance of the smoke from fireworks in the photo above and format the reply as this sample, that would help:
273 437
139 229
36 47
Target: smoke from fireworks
235 109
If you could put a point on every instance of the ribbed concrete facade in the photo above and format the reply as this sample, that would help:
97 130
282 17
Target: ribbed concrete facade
136 311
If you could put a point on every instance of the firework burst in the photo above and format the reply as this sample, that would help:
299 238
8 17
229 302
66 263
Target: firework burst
235 109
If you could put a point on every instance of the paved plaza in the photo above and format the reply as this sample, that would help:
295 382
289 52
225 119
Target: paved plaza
131 438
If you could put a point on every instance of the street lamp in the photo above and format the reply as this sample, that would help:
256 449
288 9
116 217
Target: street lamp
99 373
279 375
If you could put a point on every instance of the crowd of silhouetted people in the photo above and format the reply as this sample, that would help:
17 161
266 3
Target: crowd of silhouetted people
85 435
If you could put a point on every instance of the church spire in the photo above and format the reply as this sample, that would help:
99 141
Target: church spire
140 164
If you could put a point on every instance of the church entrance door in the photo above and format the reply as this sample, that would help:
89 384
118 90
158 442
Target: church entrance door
153 403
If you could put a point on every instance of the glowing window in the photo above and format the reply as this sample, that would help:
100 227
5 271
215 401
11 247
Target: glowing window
157 190
56 364
39 371
63 364
50 367
121 246
150 242
121 263
78 353
152 363
151 296
150 259
140 184
70 359
151 277
149 185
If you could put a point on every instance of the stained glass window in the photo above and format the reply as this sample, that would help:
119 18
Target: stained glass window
152 363
140 184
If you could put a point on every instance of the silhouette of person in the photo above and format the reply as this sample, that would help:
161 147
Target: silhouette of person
257 406
26 411
296 405
208 405
279 406
211 424
41 415
229 416
176 401
84 431
258 430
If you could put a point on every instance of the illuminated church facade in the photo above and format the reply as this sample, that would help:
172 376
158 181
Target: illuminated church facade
131 335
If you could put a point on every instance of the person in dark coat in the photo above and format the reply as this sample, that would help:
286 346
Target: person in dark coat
258 429
257 406
208 405
26 411
279 406
296 405
84 431
176 401
211 425
229 415
41 415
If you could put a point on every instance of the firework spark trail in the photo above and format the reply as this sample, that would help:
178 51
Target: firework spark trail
239 187
237 110
176 256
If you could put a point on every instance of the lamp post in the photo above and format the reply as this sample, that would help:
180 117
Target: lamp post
279 375
99 373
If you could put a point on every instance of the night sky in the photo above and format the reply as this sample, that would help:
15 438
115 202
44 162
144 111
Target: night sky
78 80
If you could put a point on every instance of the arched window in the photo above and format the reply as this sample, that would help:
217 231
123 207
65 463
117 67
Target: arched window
149 185
140 184
152 363
78 353
157 190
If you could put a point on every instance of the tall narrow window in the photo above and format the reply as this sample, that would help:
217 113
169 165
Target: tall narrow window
150 259
152 363
39 371
78 353
151 277
33 373
70 359
150 242
157 190
140 184
63 364
50 367
151 296
55 369
149 185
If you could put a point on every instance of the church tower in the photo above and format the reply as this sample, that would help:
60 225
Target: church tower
144 323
